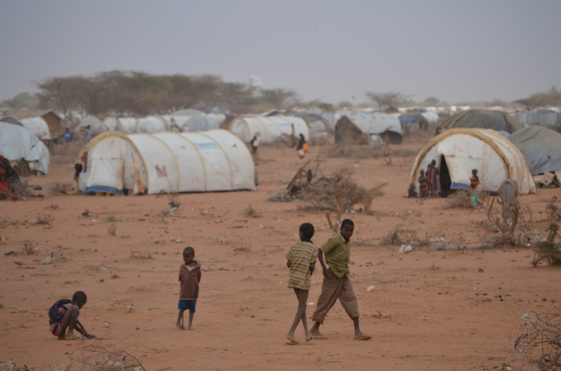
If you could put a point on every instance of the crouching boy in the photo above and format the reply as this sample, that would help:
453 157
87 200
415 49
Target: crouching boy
63 317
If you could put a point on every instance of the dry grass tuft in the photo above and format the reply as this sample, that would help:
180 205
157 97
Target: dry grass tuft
459 199
112 229
434 267
361 151
399 236
242 249
547 250
136 255
30 247
250 212
57 189
552 212
43 220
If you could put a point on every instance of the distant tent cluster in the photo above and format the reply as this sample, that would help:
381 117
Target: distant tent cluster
165 162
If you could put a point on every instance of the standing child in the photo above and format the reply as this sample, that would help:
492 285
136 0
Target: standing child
189 276
63 316
474 180
422 184
336 282
301 259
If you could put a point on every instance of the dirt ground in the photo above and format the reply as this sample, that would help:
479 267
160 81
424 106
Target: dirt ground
429 310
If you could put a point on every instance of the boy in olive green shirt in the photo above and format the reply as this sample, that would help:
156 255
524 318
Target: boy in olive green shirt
336 282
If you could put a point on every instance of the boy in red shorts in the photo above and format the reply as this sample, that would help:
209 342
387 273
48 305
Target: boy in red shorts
63 317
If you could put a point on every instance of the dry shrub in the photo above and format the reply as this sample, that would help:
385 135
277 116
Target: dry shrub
538 342
97 357
361 151
136 255
250 212
514 230
43 220
30 248
400 236
112 229
459 199
552 212
547 250
434 267
57 189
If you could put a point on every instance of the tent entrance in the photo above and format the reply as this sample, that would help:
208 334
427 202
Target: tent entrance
445 180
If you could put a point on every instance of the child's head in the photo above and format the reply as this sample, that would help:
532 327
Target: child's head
306 232
474 172
422 172
188 255
433 163
347 228
79 298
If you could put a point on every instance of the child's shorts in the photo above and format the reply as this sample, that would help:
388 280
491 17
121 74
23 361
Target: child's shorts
56 328
189 305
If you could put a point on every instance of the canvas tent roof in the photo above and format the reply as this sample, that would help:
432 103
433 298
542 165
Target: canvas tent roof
167 162
187 112
411 117
481 119
37 126
458 151
96 126
203 122
431 117
16 142
386 125
150 125
541 148
11 119
268 129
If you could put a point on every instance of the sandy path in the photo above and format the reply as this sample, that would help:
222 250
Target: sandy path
424 313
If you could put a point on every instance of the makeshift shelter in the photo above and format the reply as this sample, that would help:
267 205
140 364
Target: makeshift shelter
150 125
458 151
481 119
203 122
431 117
358 128
415 120
318 127
268 129
96 126
541 148
11 120
16 143
175 123
52 120
167 162
37 126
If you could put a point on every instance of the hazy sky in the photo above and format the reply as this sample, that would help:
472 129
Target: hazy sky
454 50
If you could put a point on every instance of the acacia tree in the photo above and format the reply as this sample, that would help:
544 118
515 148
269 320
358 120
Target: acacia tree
62 93
278 98
386 100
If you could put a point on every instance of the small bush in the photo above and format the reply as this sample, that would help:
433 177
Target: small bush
112 229
30 248
43 220
250 212
547 250
459 199
112 219
399 236
552 212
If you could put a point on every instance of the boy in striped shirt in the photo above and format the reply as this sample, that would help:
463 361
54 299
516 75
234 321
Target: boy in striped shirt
301 259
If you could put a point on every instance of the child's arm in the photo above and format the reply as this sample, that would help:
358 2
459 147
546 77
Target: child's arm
80 328
326 270
312 267
288 263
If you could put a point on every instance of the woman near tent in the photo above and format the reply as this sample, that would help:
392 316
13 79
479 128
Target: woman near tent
302 146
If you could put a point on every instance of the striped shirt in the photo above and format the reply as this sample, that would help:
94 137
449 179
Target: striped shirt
301 255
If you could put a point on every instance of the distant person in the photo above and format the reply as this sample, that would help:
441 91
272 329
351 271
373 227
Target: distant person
302 147
432 178
254 143
336 282
78 169
474 180
67 135
63 317
422 184
88 134
301 259
189 276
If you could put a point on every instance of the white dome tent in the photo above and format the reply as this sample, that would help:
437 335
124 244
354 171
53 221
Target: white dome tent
167 162
125 125
268 129
37 126
17 142
97 127
151 125
458 151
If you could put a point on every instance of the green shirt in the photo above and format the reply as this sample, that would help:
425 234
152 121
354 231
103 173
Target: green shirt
337 253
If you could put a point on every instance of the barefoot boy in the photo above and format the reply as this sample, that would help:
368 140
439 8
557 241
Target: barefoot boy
474 180
63 316
422 184
301 259
336 282
189 276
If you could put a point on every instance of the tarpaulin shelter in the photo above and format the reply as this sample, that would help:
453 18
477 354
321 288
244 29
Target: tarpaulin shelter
125 125
37 126
357 128
17 142
414 118
268 129
458 151
481 119
541 148
96 126
203 122
150 125
167 162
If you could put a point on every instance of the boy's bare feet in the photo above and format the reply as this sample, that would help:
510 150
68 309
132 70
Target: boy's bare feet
362 336
190 327
179 326
69 336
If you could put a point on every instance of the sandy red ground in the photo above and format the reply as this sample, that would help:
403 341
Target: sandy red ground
432 317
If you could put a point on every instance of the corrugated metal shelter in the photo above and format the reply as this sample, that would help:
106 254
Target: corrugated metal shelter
16 142
458 151
357 128
167 162
481 119
542 118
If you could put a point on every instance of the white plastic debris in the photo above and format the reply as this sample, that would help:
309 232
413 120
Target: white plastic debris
405 248
370 288
47 260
